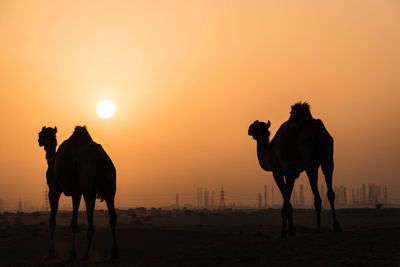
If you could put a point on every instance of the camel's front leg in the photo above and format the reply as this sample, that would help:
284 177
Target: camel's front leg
282 188
54 197
327 169
76 200
288 207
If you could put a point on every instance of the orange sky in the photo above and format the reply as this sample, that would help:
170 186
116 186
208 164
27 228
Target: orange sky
187 79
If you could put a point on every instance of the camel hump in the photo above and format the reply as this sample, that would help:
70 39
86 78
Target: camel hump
80 136
300 112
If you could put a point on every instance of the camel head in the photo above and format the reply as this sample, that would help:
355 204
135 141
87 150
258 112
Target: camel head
259 130
47 136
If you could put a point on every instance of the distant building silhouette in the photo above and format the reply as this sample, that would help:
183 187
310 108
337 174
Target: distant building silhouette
302 202
324 196
341 195
378 194
294 196
199 197
363 194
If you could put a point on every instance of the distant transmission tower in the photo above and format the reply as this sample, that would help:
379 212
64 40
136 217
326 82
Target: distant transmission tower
385 196
363 196
19 205
272 195
206 198
222 200
294 196
265 196
212 199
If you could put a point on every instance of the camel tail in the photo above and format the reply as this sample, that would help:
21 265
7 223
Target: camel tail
106 179
107 187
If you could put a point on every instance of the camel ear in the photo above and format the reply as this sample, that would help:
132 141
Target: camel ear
43 128
55 129
268 124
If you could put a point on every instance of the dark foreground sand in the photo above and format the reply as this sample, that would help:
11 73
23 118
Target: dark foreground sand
209 238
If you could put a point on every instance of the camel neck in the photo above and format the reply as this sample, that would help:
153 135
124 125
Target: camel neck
264 154
50 154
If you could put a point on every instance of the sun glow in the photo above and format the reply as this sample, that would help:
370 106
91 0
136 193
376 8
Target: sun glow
105 109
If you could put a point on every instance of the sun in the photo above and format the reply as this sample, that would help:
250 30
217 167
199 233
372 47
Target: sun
105 109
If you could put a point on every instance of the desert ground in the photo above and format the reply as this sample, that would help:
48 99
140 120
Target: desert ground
155 237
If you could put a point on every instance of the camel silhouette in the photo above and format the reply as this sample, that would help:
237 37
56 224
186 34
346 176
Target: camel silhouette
301 144
79 167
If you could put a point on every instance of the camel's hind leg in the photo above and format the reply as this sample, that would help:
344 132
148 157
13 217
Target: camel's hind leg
327 169
76 200
312 174
90 201
54 197
288 207
113 223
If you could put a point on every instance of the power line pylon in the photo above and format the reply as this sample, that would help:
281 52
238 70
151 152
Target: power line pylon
265 196
19 204
385 196
222 200
206 198
272 196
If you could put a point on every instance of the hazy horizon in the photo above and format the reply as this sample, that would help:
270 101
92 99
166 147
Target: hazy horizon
187 79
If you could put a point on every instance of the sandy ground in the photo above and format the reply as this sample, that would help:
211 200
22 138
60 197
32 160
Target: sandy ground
208 238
